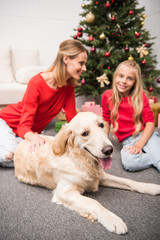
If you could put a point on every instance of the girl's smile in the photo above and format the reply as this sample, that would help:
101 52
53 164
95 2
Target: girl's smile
125 80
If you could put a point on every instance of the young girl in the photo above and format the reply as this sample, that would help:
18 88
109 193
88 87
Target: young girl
126 107
47 93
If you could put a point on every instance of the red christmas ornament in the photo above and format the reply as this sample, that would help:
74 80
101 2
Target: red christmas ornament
91 38
107 54
126 49
147 45
150 89
113 19
143 62
83 81
107 5
79 34
158 80
137 34
80 29
130 12
93 49
75 36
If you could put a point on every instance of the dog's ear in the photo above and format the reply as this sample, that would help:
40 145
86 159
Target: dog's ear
70 141
60 140
107 127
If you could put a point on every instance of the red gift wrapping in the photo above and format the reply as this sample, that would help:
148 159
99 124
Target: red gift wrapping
91 107
158 120
153 99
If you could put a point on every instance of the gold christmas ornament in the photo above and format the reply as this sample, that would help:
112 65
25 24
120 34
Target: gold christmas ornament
142 51
144 16
103 79
142 23
83 5
130 58
90 17
102 36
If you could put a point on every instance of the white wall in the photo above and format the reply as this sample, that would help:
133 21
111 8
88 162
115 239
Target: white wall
43 24
152 23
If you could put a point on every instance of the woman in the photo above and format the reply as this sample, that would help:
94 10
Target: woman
46 94
126 107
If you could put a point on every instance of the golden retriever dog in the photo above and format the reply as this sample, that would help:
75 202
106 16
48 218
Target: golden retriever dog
72 163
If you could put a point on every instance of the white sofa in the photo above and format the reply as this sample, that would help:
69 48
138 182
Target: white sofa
17 66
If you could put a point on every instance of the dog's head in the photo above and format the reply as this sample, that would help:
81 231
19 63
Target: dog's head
88 132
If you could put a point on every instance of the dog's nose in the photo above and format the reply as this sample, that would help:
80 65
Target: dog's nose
107 150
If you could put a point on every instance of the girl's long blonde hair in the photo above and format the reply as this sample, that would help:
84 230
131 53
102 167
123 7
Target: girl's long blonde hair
70 48
135 93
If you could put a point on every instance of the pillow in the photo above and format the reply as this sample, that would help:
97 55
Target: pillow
23 75
6 74
24 57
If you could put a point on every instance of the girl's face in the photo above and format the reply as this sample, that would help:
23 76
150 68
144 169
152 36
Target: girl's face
76 66
125 80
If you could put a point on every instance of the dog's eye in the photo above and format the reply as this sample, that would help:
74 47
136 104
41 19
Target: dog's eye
101 125
84 134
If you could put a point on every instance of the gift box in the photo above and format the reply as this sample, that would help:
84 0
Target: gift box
153 99
61 116
158 120
59 124
91 107
155 107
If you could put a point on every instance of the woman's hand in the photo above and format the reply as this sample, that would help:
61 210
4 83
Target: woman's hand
35 141
38 142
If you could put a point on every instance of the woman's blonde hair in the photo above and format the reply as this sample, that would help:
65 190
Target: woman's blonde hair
70 48
135 93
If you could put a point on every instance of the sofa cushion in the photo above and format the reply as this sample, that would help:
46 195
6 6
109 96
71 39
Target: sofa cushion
11 92
23 75
6 74
24 57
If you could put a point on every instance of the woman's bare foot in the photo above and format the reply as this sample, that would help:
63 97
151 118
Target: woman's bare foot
9 156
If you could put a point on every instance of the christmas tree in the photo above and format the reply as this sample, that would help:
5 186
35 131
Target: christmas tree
113 31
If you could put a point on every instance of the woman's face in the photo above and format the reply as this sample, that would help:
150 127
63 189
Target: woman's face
125 80
75 66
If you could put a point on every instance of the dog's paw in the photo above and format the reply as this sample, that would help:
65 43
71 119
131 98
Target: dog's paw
150 188
154 190
113 223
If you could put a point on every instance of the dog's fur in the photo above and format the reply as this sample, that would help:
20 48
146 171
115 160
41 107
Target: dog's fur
69 163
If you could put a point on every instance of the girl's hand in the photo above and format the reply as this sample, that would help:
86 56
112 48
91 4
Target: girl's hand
134 149
146 134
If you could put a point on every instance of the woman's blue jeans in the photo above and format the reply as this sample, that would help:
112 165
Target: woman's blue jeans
150 154
8 143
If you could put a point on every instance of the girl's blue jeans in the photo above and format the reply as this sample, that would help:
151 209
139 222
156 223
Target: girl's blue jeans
8 143
150 154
